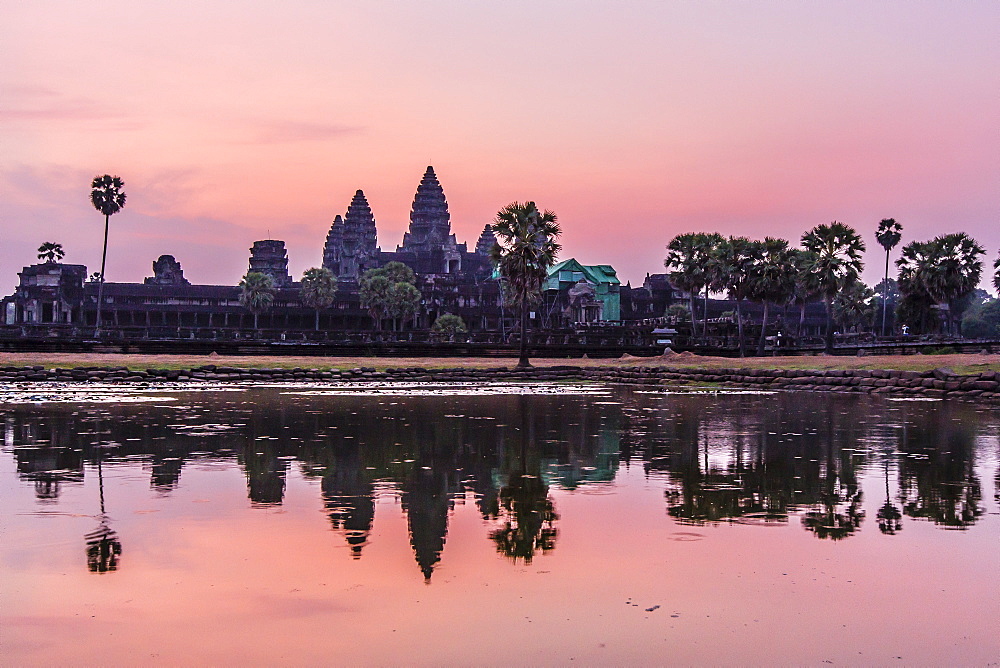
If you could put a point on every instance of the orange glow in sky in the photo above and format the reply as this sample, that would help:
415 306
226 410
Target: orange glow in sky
634 121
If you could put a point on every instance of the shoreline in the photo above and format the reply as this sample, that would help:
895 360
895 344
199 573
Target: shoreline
977 381
960 363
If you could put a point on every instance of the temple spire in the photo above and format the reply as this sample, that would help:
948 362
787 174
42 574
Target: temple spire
430 222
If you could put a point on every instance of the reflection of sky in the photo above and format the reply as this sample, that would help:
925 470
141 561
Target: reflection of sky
275 583
668 117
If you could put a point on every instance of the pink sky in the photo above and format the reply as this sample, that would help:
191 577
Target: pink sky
634 121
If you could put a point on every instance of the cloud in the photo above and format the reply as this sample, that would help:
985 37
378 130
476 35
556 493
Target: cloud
287 131
30 104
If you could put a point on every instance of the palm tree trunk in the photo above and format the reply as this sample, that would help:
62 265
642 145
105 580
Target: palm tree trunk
885 290
802 319
763 331
739 327
704 315
694 320
100 286
523 357
828 301
255 321
317 320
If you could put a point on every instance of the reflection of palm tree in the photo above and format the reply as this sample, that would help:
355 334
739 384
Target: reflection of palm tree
889 517
829 519
529 515
103 546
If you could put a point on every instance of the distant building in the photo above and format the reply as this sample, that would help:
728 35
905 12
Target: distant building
584 293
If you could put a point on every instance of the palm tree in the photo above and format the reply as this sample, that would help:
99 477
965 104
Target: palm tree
733 260
257 293
888 235
390 290
772 279
107 197
853 306
51 252
804 291
319 289
996 274
686 267
835 264
954 272
706 243
524 250
403 300
942 270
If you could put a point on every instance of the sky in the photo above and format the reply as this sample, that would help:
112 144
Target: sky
634 121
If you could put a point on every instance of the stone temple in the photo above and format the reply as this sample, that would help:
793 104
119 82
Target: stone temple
54 300
428 247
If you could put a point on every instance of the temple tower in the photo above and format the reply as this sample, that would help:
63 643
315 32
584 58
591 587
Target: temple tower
334 246
270 257
486 241
430 222
352 243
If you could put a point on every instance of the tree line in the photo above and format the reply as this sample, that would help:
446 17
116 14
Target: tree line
934 277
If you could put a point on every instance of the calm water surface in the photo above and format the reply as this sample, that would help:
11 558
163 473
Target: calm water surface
283 525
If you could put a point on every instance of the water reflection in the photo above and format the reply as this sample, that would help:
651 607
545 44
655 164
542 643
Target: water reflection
752 460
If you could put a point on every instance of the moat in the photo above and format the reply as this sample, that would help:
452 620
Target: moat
560 524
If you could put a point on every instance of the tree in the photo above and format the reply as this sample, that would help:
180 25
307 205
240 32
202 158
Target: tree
389 291
449 325
257 293
853 306
525 249
319 289
706 243
403 301
686 265
733 260
834 265
804 291
95 277
107 197
942 270
888 235
51 252
982 319
772 279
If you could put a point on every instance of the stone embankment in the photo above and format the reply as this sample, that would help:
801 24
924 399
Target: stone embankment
939 383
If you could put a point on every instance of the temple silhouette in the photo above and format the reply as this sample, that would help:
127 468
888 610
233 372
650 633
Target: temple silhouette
55 299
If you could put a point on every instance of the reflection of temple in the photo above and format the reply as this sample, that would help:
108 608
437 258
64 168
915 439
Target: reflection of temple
349 498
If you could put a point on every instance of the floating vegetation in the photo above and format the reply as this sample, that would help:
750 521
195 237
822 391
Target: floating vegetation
450 390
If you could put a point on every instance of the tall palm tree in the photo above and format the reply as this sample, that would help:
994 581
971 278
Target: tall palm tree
257 293
686 268
525 248
706 244
835 264
805 290
733 261
888 235
996 274
772 279
51 252
107 197
319 289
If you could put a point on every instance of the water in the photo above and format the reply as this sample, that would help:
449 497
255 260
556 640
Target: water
603 526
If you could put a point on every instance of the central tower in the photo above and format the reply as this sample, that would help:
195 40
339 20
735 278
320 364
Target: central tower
430 222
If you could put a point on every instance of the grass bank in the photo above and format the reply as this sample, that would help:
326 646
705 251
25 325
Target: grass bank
960 363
